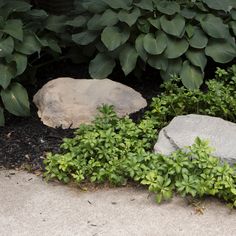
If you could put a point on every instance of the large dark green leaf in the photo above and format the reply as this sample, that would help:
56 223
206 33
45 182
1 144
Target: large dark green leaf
174 67
155 22
78 21
6 46
7 73
94 6
155 45
214 26
145 5
158 62
19 6
191 77
14 28
30 44
21 62
167 7
174 27
221 51
113 37
2 119
175 47
119 4
101 66
15 100
94 23
223 5
128 59
188 13
197 58
143 25
233 26
84 38
199 39
139 47
56 23
109 18
129 18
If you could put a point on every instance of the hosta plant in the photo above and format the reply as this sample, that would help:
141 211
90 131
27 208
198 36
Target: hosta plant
25 36
175 37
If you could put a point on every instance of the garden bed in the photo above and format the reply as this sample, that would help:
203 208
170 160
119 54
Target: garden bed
24 141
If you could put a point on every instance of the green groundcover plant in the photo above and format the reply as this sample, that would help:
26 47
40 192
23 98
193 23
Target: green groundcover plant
219 99
117 150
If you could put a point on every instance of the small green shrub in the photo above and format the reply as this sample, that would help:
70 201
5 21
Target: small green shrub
219 99
175 37
117 150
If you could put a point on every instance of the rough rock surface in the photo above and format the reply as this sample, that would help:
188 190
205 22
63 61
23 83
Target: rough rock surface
183 130
68 102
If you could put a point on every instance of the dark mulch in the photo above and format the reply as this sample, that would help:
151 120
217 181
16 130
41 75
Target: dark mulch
24 141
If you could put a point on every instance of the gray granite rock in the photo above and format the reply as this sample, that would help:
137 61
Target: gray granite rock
183 130
68 102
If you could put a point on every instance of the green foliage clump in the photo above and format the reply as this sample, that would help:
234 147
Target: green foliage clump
24 33
116 150
175 37
219 99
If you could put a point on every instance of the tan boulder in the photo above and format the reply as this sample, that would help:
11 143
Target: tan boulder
69 102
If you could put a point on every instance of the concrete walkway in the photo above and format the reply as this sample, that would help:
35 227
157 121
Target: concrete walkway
29 206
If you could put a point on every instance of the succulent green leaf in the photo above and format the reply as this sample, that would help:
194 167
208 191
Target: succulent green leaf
139 47
155 45
14 28
21 62
119 4
174 27
191 77
175 47
221 51
113 37
197 58
101 66
78 21
214 26
15 100
84 38
6 46
158 62
2 119
199 39
145 5
30 44
7 73
174 68
56 23
128 59
129 18
167 7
